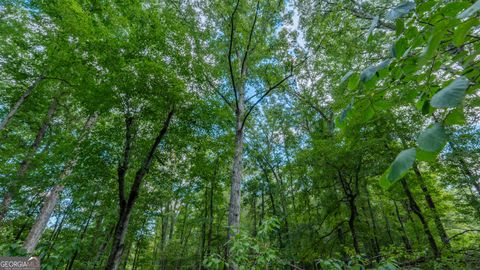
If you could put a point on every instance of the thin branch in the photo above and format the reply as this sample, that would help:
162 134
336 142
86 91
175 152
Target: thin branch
59 79
250 35
464 232
217 91
230 66
313 106
362 14
264 95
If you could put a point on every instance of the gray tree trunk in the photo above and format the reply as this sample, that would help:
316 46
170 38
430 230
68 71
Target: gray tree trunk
41 222
237 170
19 103
25 164
51 199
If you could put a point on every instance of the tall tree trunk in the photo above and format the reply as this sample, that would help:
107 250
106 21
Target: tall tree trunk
404 235
82 236
210 217
351 224
51 199
416 209
236 179
41 222
433 209
472 178
102 248
389 230
351 195
204 228
25 164
374 225
19 103
126 206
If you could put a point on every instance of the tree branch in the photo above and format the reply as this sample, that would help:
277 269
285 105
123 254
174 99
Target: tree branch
230 66
217 91
250 35
148 161
123 166
264 95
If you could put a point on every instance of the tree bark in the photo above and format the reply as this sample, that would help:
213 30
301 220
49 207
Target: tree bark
25 164
126 206
472 178
433 209
404 235
416 209
19 103
82 235
41 222
51 199
236 179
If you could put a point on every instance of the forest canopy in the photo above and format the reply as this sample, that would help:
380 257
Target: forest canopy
240 134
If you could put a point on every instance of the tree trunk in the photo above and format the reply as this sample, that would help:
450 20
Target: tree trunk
82 235
405 239
236 180
25 164
41 222
210 218
389 230
126 206
431 205
19 103
102 248
472 178
51 199
416 209
351 224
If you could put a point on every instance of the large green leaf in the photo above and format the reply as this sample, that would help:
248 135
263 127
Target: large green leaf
432 139
399 167
369 72
452 95
400 11
469 11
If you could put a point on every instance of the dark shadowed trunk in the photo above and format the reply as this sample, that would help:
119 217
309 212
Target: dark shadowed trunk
416 209
404 235
126 205
433 209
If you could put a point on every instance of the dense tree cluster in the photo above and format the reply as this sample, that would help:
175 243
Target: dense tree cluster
240 134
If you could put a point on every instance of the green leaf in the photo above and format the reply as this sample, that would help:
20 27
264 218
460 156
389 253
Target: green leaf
400 11
369 72
455 117
432 139
452 95
400 47
399 167
425 155
469 11
462 30
433 44
353 81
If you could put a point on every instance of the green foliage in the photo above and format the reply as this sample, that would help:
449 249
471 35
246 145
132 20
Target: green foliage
247 252
399 167
432 139
452 95
364 81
